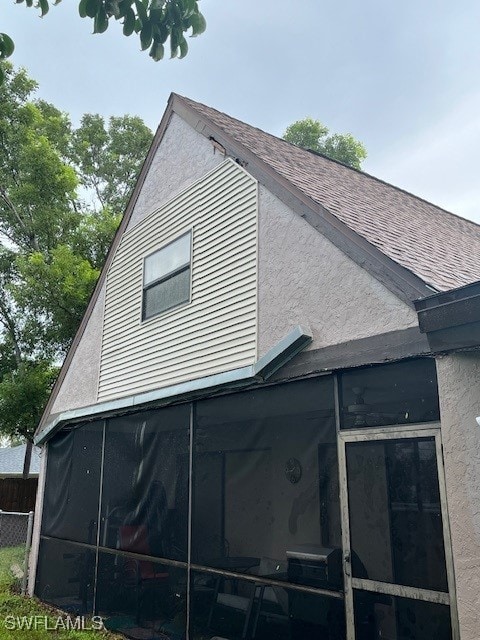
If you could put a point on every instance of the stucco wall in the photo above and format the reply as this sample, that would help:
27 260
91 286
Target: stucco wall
80 385
182 157
459 391
304 279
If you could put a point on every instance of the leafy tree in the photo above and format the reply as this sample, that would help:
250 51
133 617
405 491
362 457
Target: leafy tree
23 394
154 21
313 135
58 213
107 157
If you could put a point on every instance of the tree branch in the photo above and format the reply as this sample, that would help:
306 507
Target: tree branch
9 325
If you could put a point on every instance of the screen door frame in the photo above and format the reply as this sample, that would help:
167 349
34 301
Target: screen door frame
379 434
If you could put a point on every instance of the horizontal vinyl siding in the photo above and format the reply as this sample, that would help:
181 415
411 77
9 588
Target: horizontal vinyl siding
217 331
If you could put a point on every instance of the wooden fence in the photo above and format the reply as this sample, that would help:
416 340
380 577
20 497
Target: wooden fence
18 494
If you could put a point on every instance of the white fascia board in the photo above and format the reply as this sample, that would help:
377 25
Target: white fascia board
261 370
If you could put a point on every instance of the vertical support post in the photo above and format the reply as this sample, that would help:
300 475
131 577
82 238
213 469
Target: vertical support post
28 544
190 507
38 520
345 522
99 514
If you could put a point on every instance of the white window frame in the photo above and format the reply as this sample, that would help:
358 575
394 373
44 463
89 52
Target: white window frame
166 277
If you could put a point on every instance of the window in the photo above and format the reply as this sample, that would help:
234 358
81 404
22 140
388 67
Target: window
166 277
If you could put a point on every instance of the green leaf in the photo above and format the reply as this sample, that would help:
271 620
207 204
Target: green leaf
161 32
82 8
141 12
174 38
129 22
156 16
183 48
189 8
123 7
198 24
91 8
101 21
2 76
43 4
113 9
6 46
146 36
157 51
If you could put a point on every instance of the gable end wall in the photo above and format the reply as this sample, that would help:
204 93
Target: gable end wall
216 331
305 279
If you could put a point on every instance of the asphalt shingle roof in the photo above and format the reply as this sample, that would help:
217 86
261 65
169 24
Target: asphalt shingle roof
437 246
12 458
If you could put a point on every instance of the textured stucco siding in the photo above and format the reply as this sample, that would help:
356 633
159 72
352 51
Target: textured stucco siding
459 391
183 157
304 279
80 385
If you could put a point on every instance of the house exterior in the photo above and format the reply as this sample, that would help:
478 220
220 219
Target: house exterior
265 426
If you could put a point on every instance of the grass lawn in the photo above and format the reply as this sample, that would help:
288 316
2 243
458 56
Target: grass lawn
13 605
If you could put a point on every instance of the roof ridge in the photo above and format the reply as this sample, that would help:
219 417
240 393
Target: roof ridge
338 162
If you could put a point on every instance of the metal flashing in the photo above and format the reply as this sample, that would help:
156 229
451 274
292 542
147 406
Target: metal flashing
266 366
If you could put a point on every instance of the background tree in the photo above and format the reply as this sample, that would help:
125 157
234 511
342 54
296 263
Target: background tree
58 214
154 21
312 134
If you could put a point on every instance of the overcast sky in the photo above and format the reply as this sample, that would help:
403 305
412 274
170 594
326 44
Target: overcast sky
401 76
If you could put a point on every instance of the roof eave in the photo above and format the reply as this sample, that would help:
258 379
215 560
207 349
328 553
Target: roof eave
399 280
451 319
111 252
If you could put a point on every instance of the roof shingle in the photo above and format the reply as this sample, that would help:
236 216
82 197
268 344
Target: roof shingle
437 246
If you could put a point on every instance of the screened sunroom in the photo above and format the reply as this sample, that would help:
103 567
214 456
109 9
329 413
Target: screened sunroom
310 509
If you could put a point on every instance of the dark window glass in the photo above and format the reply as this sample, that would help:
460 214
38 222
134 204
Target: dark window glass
145 483
65 575
73 484
379 616
234 608
400 393
167 294
166 276
395 513
141 598
266 497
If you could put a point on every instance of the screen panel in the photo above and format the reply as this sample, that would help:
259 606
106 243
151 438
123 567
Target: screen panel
234 608
167 294
265 472
379 616
394 508
65 575
145 483
139 596
400 393
72 486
